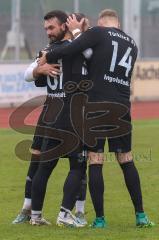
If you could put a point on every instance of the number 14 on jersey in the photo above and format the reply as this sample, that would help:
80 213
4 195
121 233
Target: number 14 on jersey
126 60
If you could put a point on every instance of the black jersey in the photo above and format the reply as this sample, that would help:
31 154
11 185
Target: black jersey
72 69
55 85
112 63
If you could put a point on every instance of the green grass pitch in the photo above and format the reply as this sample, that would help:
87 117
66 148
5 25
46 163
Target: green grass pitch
118 208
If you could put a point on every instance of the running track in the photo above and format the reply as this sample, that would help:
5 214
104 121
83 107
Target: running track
140 110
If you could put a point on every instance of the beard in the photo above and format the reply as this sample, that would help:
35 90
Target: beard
59 37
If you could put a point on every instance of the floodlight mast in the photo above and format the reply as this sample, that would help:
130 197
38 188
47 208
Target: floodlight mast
76 6
15 26
132 20
14 37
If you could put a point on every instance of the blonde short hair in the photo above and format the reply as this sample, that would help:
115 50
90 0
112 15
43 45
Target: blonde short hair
108 13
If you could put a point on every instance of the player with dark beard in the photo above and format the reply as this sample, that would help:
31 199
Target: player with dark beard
54 23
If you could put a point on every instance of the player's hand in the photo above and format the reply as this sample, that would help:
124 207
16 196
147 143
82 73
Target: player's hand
52 70
42 60
73 24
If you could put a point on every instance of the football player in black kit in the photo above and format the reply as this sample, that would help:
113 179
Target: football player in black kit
71 69
56 31
110 69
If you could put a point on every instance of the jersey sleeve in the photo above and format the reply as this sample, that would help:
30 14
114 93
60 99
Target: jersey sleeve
28 75
88 39
41 81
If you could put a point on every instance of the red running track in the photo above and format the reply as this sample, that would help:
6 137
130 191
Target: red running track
140 110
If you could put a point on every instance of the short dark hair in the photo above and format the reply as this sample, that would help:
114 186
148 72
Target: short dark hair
60 15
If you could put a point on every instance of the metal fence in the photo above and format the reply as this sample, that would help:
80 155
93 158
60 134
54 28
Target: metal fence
31 33
138 17
150 29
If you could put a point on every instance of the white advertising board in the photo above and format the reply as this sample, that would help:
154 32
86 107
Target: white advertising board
14 90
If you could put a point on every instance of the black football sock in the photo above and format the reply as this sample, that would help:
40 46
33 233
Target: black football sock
71 188
34 164
132 181
96 188
81 196
40 183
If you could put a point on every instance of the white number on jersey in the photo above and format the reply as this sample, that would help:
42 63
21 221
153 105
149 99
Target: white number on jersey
124 62
57 80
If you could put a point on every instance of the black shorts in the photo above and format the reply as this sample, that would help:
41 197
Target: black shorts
98 147
54 144
64 123
116 144
121 144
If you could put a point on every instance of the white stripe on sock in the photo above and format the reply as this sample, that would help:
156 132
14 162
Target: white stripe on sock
35 214
27 204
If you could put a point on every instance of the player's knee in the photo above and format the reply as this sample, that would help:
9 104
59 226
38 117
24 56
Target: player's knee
35 152
95 158
124 157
